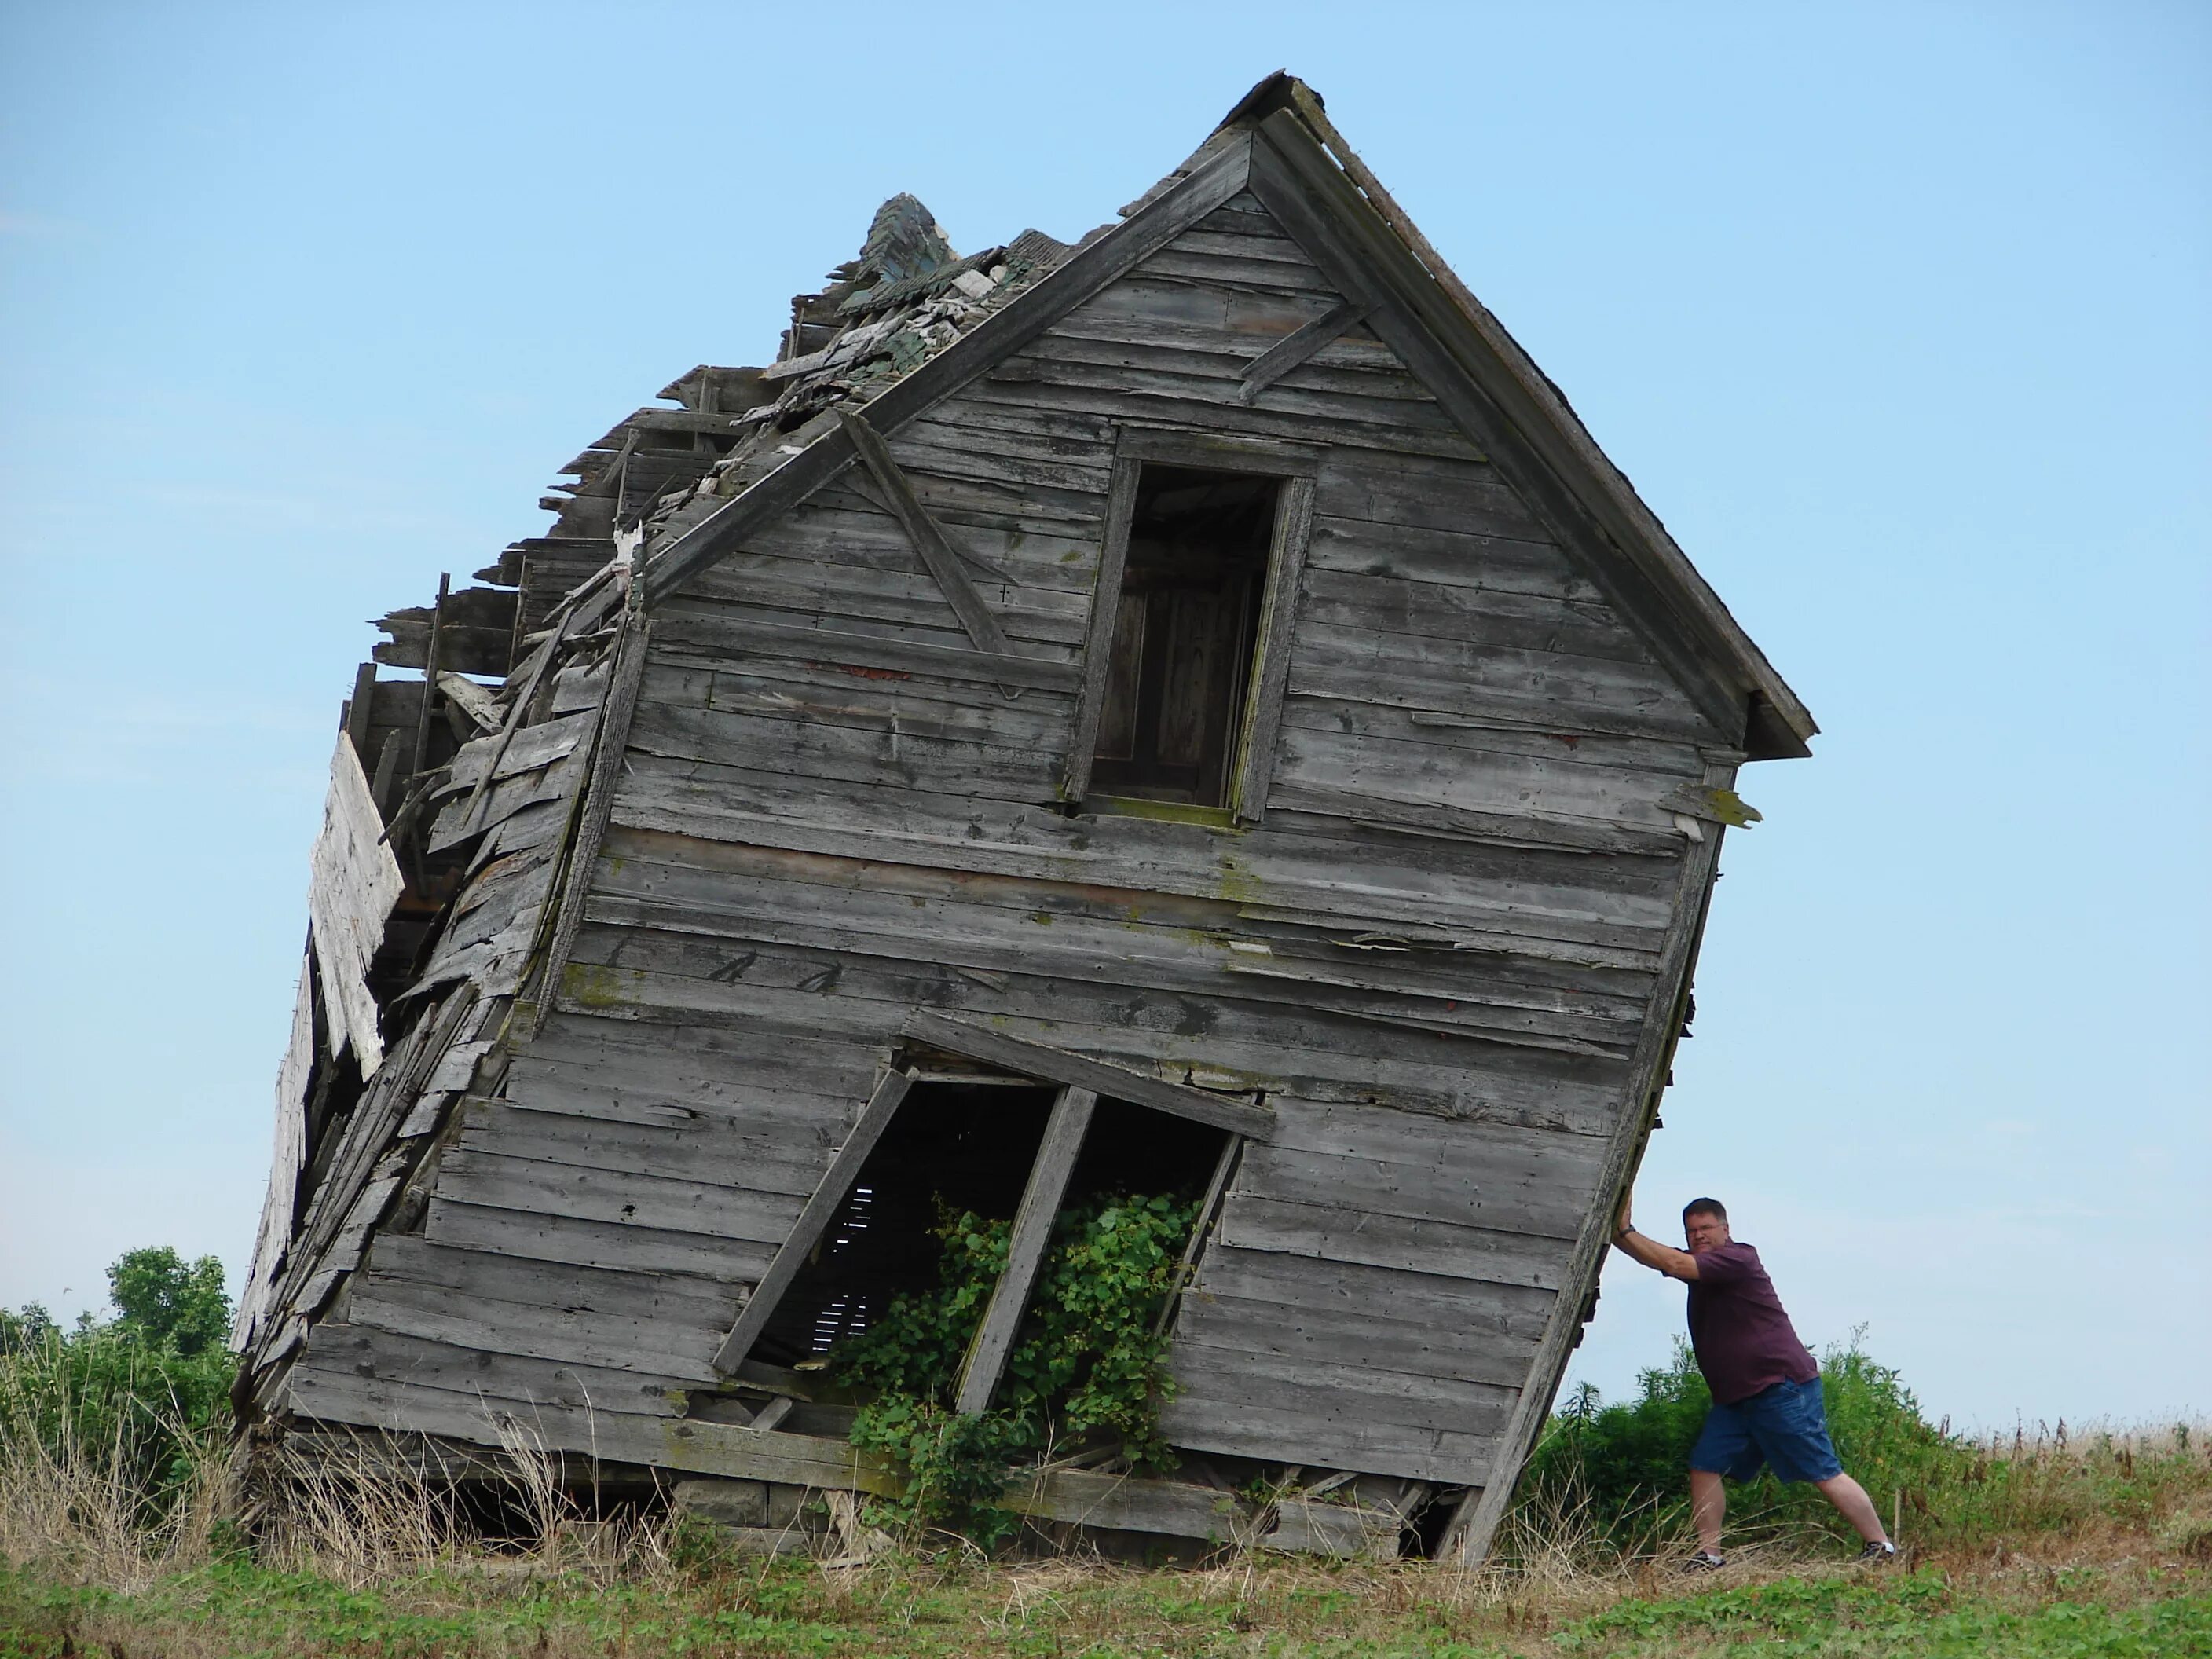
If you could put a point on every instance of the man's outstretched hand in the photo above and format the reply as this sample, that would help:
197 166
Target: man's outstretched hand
1676 1264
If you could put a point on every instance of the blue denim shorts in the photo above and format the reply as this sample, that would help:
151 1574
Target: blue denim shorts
1783 1424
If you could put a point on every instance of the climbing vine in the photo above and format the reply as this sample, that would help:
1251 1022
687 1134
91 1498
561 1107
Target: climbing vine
1085 1360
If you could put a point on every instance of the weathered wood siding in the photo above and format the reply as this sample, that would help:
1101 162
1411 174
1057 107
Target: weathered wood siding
1435 955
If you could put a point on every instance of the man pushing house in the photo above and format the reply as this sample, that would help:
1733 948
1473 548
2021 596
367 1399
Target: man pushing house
1766 1383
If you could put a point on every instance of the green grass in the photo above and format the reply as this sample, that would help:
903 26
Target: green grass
929 1610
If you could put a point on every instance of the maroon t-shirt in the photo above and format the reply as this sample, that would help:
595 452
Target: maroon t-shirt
1743 1340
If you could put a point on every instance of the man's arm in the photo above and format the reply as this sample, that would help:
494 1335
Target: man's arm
1676 1264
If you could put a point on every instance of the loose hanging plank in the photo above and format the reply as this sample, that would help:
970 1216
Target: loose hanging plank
959 1036
929 539
356 886
1009 1298
821 1210
1279 360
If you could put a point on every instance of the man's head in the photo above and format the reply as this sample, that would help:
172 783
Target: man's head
1704 1223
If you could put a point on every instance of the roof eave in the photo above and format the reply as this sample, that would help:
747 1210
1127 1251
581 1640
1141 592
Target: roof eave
1284 112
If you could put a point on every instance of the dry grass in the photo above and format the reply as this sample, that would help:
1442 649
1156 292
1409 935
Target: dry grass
369 1558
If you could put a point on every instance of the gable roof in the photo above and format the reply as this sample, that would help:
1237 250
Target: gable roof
903 332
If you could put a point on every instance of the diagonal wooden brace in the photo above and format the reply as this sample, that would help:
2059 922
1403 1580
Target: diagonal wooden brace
929 539
1279 359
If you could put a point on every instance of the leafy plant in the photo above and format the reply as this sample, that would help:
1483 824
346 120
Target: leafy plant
169 1304
143 1394
1086 1358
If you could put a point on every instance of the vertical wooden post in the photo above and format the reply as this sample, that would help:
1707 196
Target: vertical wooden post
430 675
1048 1178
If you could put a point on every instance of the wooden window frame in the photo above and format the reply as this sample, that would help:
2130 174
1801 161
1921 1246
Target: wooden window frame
1255 731
1081 1082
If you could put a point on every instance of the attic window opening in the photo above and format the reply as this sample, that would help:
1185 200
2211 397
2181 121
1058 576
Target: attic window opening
1186 634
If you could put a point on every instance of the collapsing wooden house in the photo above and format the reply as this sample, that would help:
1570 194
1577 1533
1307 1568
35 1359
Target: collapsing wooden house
1191 707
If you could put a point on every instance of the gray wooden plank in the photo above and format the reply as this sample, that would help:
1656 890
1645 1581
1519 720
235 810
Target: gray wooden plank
1231 270
889 753
839 529
426 1362
1263 711
828 697
820 1210
615 1334
1098 647
1470 777
1042 1196
1209 954
1190 403
850 586
686 1298
721 1153
812 1116
1461 558
473 1176
526 749
1231 1046
1022 1055
1410 1315
1506 733
1298 1437
1529 621
1346 1231
1437 887
684 1063
1334 1392
537 1236
735 638
287 1156
1295 1336
1101 375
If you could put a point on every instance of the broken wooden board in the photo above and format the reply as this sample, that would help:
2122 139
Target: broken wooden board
355 886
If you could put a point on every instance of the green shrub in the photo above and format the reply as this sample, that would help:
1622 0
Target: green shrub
138 1397
1621 1471
1624 1469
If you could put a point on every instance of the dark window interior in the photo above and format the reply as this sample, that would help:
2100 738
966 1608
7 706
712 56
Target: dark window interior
973 1145
1184 634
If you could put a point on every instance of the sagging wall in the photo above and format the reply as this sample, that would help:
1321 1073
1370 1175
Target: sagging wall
1435 954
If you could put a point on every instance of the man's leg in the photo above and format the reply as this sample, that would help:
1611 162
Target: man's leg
1850 1501
1709 1507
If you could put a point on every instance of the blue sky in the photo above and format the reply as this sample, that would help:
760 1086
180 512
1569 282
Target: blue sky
1898 315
